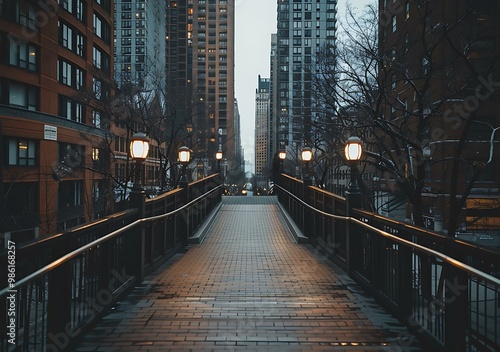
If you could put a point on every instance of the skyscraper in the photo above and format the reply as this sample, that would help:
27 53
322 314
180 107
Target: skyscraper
262 108
140 43
200 83
304 27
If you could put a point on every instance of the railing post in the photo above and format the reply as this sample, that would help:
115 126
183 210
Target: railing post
59 306
455 307
136 246
184 184
306 216
353 200
405 281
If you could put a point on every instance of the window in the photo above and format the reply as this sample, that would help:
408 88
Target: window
407 10
96 119
100 59
97 88
19 152
71 38
22 55
70 74
74 7
70 109
394 23
19 94
70 194
101 28
97 57
25 14
97 26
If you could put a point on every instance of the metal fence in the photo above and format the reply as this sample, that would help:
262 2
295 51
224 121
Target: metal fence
55 288
446 291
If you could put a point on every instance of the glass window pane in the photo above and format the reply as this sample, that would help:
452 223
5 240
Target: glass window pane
12 152
17 95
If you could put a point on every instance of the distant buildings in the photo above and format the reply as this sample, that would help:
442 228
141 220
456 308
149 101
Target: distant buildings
304 27
140 43
140 73
262 129
65 133
200 84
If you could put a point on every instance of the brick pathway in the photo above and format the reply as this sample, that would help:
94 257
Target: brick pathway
248 287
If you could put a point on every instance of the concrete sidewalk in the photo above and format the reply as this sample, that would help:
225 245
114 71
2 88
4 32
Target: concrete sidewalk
248 287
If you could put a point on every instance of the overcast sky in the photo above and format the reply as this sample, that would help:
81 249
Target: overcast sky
255 21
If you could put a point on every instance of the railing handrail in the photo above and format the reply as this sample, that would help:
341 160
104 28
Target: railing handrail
450 260
61 235
65 258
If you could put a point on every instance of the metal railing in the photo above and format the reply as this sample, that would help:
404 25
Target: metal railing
55 288
446 291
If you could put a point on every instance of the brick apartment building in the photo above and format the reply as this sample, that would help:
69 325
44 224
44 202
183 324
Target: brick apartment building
55 75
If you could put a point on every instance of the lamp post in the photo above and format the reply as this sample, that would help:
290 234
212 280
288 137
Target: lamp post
184 155
218 157
282 157
135 245
139 148
306 158
353 152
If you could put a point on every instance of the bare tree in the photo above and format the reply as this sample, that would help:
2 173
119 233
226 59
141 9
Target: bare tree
418 98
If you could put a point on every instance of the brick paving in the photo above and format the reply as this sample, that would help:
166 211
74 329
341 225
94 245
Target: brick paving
248 287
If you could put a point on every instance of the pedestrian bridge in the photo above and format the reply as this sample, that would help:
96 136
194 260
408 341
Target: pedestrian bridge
248 286
297 271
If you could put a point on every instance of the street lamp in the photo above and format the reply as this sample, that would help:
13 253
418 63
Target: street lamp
184 155
218 157
353 152
306 158
307 154
282 157
139 148
353 149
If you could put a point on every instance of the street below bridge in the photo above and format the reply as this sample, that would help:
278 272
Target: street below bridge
248 287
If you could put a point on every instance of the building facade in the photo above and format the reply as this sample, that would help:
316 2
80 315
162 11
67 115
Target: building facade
200 82
441 59
140 43
140 77
262 123
304 27
55 76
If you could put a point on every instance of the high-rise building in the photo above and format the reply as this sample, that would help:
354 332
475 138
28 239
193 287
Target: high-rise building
441 62
200 83
273 145
140 76
55 81
262 108
239 157
139 51
304 27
